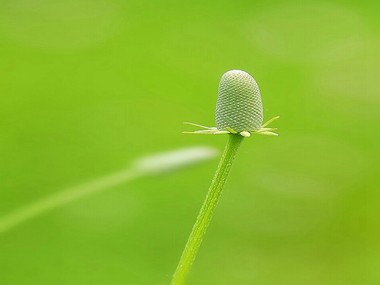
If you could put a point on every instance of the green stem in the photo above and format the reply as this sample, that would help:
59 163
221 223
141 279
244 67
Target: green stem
64 197
207 210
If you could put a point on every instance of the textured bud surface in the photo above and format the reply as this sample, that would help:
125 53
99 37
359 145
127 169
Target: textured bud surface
239 105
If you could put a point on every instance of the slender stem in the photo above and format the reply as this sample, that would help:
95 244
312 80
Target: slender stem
148 165
63 197
205 215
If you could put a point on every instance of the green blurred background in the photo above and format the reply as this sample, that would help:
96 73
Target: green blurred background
87 86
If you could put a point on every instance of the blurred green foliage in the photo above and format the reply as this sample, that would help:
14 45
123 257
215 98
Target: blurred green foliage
87 86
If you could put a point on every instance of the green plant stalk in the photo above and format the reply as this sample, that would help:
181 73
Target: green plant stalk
205 215
150 165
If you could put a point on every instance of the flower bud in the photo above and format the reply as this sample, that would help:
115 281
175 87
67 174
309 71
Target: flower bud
239 105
